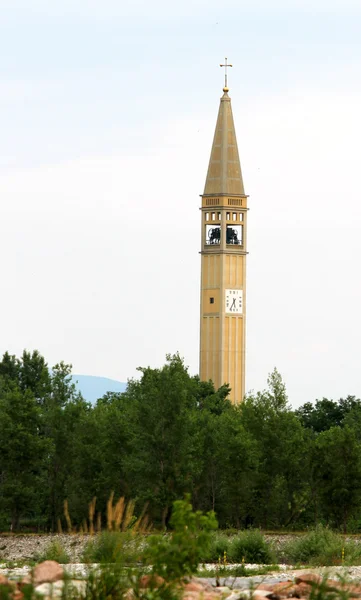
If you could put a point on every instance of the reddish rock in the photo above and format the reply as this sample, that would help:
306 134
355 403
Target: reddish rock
267 587
193 586
47 572
281 590
4 580
147 581
301 590
26 580
211 596
191 595
311 578
17 595
355 591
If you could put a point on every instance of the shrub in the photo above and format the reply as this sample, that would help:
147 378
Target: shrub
250 546
321 546
178 555
218 548
112 547
55 551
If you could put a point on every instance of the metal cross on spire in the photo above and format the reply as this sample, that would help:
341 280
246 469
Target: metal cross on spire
226 65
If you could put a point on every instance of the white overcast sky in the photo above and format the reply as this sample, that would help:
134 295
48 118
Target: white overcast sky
107 114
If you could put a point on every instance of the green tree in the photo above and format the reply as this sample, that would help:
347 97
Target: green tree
337 463
23 452
280 493
62 410
163 458
325 413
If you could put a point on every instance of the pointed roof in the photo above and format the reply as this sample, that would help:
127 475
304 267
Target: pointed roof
224 171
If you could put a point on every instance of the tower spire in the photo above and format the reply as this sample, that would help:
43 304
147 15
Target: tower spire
224 176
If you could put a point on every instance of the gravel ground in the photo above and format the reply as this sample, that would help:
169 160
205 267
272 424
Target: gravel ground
29 547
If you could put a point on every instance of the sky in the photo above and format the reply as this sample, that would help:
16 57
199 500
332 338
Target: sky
107 115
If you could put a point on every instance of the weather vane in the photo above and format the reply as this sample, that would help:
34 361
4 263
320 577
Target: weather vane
226 65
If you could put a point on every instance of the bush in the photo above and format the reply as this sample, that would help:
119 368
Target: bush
178 555
55 551
321 546
250 546
218 548
112 547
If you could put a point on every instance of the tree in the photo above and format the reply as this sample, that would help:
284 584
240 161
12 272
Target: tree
326 413
23 452
280 492
337 463
163 459
62 411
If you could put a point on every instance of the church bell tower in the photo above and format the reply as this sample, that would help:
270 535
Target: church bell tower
223 258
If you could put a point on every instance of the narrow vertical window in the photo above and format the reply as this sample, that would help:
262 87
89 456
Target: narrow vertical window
213 216
234 216
207 216
228 216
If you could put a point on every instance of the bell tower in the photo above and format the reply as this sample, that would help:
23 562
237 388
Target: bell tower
223 260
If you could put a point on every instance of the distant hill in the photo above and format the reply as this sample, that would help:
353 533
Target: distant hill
92 387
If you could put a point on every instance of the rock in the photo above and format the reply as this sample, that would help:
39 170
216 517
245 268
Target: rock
240 594
17 595
301 590
4 580
47 572
223 589
191 595
193 586
54 590
267 587
311 578
26 580
147 581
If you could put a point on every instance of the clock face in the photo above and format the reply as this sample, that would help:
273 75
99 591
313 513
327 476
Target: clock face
234 301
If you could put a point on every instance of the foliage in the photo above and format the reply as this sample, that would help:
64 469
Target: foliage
218 548
176 556
257 465
112 547
321 546
105 583
250 546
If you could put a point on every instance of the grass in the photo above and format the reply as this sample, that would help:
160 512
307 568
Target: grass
55 551
236 571
322 547
248 546
113 547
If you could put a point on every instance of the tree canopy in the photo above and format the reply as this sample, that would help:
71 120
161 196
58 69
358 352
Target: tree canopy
259 464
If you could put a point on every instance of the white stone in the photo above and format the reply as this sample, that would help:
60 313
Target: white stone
54 590
239 594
